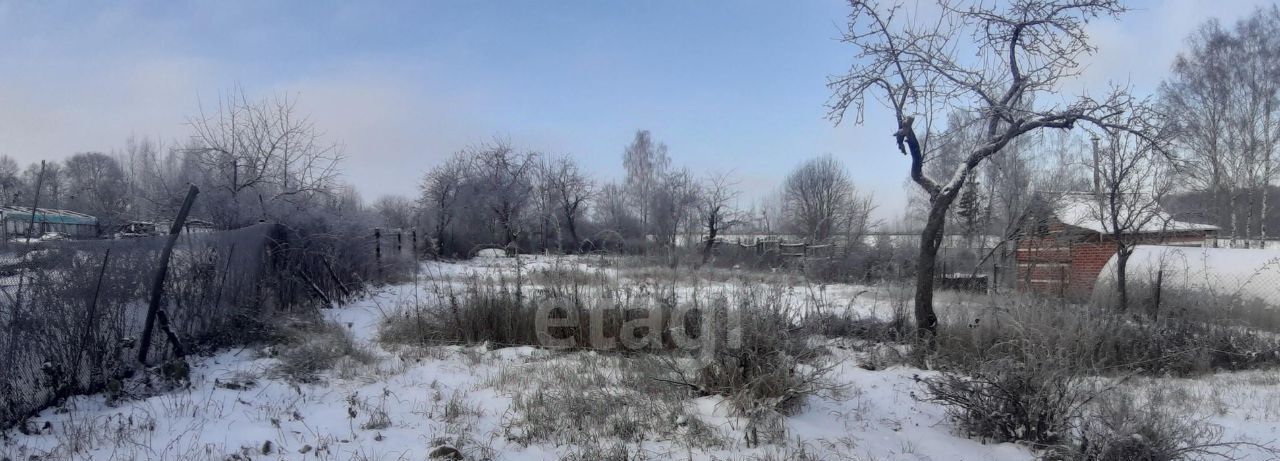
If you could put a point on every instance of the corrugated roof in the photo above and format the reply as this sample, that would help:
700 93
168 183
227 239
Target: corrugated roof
47 215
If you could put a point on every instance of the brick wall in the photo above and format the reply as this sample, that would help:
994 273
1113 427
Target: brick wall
1087 259
1044 264
1063 263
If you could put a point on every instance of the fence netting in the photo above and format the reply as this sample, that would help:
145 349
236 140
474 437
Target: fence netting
1238 285
72 312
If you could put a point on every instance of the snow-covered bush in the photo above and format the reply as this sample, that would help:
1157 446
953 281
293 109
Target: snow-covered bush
1008 401
1121 429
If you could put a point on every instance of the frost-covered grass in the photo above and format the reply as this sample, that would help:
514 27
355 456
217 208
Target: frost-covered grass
390 400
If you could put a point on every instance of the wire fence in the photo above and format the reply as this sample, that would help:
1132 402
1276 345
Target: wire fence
72 313
1237 285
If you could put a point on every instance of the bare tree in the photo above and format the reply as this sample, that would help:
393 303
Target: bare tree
502 180
570 190
921 66
264 149
10 182
439 194
1133 176
1224 96
395 211
646 162
716 211
673 207
816 196
96 183
51 184
611 211
857 218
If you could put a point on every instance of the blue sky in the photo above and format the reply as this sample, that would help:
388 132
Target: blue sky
727 85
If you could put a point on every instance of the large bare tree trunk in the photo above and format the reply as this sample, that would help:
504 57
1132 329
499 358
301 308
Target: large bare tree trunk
711 240
573 233
1122 275
926 265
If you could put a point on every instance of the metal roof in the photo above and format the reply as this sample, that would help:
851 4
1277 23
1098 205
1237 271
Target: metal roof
46 215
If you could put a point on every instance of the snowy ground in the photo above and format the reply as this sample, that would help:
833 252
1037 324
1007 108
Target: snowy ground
409 401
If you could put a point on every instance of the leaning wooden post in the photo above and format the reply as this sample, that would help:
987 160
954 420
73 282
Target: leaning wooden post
157 284
31 227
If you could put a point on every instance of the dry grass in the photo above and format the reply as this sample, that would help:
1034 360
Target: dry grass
313 347
1097 341
582 399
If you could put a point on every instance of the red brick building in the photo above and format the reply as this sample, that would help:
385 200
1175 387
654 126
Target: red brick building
1062 253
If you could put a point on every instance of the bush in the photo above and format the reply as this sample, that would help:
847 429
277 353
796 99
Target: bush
1008 401
761 361
1124 430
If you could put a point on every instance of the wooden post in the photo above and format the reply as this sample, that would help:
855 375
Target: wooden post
30 229
157 284
35 203
377 249
1155 307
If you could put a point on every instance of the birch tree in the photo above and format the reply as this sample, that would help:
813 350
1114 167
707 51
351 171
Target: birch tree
1224 97
646 162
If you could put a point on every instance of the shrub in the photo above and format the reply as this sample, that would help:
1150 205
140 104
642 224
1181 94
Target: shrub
1008 401
1121 429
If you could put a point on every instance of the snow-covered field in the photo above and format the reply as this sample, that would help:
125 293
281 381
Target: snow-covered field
410 400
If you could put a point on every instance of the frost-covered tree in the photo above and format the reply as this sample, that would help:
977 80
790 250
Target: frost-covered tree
991 58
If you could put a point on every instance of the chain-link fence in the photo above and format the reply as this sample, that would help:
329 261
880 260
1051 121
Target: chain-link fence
72 312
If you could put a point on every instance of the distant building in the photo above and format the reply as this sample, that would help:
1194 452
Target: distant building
1062 253
133 229
17 221
191 226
